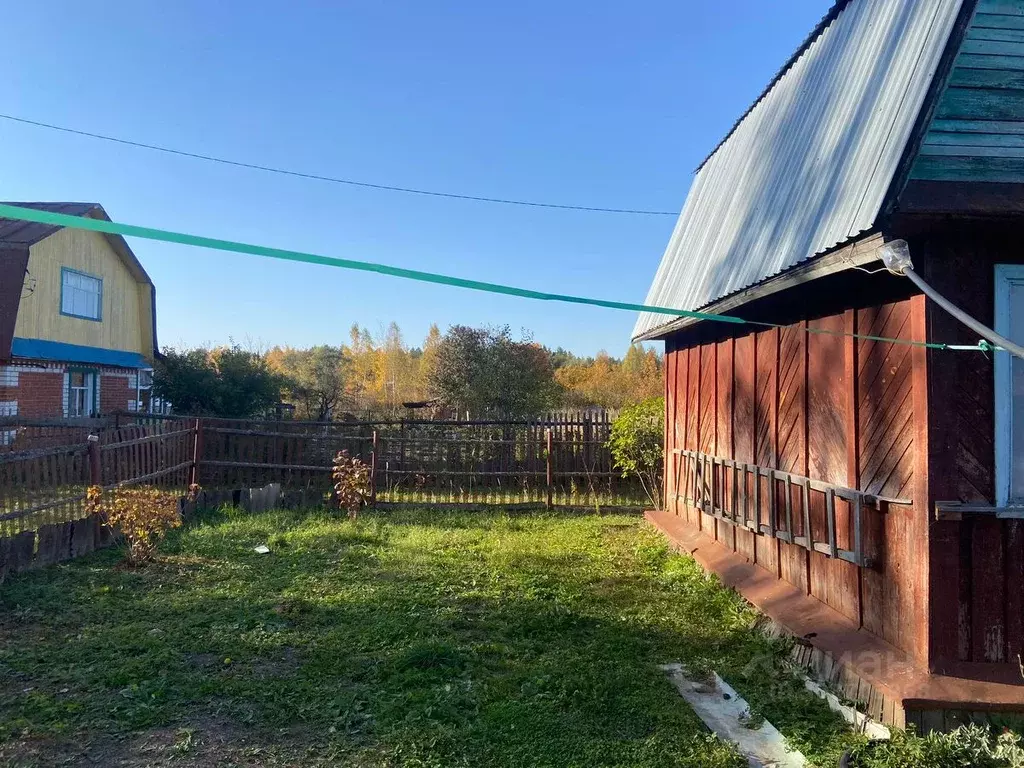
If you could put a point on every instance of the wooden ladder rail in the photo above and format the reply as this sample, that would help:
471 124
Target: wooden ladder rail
703 495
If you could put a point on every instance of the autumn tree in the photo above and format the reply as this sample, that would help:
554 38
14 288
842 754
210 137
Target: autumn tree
396 377
592 383
606 381
520 379
362 370
428 361
314 379
457 376
486 371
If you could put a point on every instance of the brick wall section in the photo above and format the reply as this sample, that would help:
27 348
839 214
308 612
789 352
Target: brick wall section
114 393
39 394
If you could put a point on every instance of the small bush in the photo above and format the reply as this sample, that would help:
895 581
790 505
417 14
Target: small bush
637 444
351 483
968 745
142 515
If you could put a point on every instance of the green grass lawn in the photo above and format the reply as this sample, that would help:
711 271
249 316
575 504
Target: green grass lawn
406 638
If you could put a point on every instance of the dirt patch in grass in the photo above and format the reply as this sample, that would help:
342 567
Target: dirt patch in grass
284 663
212 742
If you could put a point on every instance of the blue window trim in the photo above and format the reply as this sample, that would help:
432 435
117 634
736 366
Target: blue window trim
64 270
95 387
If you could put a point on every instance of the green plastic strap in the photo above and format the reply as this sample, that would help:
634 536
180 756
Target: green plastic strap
868 337
149 233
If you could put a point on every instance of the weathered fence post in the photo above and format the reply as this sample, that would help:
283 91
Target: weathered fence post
197 452
588 442
550 467
95 468
373 470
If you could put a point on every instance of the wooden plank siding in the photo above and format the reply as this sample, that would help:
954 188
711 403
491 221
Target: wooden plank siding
977 131
791 439
766 374
726 533
834 583
885 457
743 430
805 400
706 418
975 583
891 420
692 421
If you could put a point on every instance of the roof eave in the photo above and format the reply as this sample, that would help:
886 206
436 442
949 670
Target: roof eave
852 254
121 247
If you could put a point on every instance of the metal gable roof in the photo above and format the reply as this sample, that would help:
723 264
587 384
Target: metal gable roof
14 232
808 166
17 232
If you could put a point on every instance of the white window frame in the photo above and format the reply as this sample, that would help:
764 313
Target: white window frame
68 291
143 383
90 386
1006 276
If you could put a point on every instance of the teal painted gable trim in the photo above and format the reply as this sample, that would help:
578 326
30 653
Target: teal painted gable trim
40 349
941 168
981 103
977 133
998 20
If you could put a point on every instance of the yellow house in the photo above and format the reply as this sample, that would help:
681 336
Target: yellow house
77 320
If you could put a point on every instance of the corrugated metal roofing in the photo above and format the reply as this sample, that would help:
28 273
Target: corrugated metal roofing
14 231
808 166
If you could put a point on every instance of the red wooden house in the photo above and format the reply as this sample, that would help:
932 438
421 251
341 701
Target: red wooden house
855 477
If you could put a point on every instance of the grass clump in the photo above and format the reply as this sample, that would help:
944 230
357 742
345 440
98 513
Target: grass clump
969 745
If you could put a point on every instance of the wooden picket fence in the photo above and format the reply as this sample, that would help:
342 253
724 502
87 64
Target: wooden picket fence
561 461
557 460
46 486
18 436
43 515
43 479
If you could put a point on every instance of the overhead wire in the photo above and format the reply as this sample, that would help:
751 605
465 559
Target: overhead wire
330 179
150 233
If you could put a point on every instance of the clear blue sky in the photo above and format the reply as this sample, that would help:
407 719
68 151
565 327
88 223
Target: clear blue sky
591 103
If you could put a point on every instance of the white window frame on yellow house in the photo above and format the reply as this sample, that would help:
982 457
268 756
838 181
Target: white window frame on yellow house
79 290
